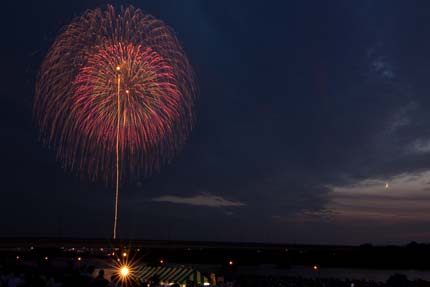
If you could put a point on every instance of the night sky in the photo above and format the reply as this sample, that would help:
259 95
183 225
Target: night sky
312 127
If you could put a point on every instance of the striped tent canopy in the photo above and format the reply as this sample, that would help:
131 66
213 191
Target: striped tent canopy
169 275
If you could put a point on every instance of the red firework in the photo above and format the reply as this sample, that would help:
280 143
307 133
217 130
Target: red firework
115 96
115 89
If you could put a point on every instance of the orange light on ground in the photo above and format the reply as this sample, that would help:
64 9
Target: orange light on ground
124 271
124 254
118 68
127 92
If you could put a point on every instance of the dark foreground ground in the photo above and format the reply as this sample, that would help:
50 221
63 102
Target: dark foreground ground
65 262
411 256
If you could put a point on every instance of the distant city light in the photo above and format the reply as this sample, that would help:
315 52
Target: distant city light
161 261
17 257
315 267
46 257
79 258
124 254
230 262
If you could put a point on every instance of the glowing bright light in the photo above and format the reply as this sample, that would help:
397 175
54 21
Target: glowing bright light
161 261
74 104
206 284
79 101
230 262
46 257
387 185
127 91
124 254
124 271
79 258
315 267
17 258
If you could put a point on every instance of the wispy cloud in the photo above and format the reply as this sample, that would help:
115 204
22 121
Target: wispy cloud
303 216
383 68
204 199
420 146
404 198
380 65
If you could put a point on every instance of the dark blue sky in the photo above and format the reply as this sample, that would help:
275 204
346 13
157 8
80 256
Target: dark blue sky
312 127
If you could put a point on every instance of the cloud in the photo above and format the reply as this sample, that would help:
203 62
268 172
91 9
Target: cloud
303 216
405 200
420 146
204 199
383 68
380 64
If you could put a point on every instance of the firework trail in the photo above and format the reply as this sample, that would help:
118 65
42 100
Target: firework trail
115 96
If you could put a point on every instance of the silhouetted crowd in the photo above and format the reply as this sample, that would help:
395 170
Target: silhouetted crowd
17 276
33 277
396 280
87 277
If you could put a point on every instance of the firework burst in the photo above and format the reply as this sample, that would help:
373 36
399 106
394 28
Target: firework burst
115 95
